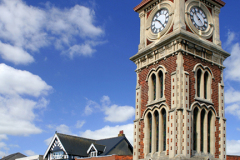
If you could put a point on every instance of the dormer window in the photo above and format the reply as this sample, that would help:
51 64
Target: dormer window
93 154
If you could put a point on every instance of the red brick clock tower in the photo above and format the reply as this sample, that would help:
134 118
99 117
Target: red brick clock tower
180 89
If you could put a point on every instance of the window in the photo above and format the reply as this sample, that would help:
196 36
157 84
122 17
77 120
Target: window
195 114
202 129
206 85
157 129
57 155
164 130
199 74
160 74
150 131
93 154
209 131
154 86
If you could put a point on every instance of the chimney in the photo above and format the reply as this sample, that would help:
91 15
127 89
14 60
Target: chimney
121 134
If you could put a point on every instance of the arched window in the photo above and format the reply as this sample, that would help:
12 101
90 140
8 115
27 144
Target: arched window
154 86
205 85
150 131
209 131
199 74
157 130
160 74
195 114
202 129
164 130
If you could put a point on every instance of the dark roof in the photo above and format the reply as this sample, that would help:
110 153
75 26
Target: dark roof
75 145
13 156
99 147
145 2
79 146
110 143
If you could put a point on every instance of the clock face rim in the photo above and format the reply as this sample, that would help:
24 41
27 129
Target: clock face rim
160 22
199 18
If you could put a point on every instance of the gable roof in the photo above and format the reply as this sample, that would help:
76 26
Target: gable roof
79 146
13 156
75 145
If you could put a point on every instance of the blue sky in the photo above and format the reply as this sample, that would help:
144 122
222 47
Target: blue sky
65 67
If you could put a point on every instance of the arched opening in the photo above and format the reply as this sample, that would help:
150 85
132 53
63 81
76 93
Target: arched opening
205 85
209 131
150 131
154 86
164 129
199 73
202 129
157 130
160 74
195 114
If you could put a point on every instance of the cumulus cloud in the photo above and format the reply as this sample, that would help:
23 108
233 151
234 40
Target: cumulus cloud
63 129
17 113
110 131
48 141
18 82
30 152
231 37
233 109
233 147
113 113
232 96
232 64
25 29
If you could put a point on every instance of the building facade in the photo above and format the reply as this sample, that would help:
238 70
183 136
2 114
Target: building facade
180 89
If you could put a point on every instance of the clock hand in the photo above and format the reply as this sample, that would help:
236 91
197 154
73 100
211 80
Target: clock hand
160 22
198 18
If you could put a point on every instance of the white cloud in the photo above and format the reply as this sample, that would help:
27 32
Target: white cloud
30 152
3 136
63 129
108 131
80 124
232 64
15 54
17 113
233 109
238 129
233 147
231 37
113 113
18 82
117 113
2 154
27 29
232 96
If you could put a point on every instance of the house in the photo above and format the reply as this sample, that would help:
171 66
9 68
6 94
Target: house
70 147
13 156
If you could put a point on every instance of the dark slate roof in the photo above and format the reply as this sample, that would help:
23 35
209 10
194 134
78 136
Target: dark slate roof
110 143
75 145
99 147
13 156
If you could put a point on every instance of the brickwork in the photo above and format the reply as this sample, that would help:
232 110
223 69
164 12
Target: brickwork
170 65
233 157
112 157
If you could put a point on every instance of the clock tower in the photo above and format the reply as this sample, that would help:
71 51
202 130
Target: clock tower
180 89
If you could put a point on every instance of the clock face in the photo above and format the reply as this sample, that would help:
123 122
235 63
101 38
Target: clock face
160 21
198 18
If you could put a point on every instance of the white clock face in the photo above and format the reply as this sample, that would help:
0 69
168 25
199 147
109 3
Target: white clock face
198 18
160 21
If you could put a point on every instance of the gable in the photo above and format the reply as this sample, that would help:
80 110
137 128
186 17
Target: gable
122 148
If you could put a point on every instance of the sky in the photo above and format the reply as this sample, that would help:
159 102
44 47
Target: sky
64 66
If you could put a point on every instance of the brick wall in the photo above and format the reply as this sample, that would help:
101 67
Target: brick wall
233 157
170 65
189 63
112 157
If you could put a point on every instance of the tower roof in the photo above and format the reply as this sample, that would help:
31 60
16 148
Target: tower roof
145 2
